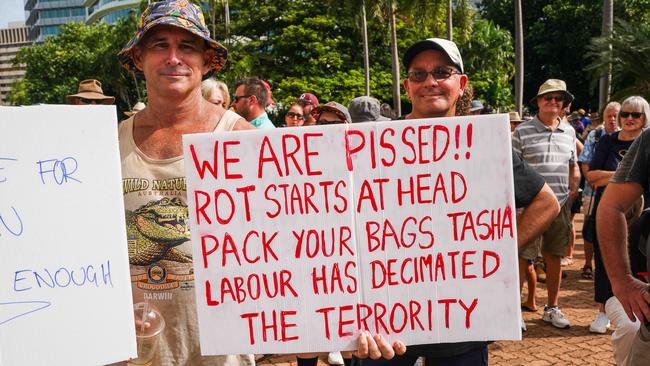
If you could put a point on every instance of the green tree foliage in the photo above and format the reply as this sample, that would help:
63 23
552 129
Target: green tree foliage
55 67
556 36
630 58
488 57
556 33
296 45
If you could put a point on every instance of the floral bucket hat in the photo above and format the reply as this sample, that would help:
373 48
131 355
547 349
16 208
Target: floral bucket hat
177 13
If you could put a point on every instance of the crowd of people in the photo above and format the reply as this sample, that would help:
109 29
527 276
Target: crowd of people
564 161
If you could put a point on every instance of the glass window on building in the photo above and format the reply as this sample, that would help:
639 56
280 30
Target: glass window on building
50 30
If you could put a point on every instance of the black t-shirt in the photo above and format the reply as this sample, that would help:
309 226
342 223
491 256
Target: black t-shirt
635 167
527 182
609 153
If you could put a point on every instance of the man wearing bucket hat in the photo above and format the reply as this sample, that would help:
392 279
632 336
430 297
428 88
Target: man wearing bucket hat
90 92
173 52
435 83
548 143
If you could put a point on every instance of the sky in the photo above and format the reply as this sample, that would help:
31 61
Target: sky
12 10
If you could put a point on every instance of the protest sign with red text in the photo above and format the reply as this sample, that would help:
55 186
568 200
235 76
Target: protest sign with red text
303 236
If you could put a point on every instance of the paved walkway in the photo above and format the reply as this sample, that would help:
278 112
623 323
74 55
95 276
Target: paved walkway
544 344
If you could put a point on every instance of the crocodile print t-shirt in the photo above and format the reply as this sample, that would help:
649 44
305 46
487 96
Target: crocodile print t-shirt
160 252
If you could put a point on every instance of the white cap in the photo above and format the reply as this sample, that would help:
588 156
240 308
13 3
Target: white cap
445 46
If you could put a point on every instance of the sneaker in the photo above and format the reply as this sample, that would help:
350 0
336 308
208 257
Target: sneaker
566 261
600 324
523 323
335 358
554 316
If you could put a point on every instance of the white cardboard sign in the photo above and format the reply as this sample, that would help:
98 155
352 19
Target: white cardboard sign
65 293
303 236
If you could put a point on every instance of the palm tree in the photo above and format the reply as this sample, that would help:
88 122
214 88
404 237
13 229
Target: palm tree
605 80
364 39
226 18
354 7
627 53
519 58
450 27
397 99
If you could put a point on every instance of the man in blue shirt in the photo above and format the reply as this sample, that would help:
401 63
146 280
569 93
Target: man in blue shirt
250 101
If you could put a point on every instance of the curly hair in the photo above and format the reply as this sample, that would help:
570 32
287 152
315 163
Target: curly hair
465 101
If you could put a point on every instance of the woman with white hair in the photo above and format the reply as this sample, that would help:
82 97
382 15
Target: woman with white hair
632 119
215 92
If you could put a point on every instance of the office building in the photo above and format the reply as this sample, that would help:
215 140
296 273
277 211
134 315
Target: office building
11 40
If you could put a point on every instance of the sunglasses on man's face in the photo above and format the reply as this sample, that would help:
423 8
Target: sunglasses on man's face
438 74
295 115
236 98
635 115
557 98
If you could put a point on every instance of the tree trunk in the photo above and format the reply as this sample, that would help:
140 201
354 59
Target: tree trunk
519 58
606 80
450 27
397 103
226 18
213 20
366 58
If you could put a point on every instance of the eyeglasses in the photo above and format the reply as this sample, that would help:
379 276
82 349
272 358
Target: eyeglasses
439 73
634 115
558 98
90 101
295 115
236 98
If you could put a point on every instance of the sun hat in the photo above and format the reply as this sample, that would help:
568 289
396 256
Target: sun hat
136 108
334 107
308 98
553 85
365 109
178 13
445 46
514 117
90 89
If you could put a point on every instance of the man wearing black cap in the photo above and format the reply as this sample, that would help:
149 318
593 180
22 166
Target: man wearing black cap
435 83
